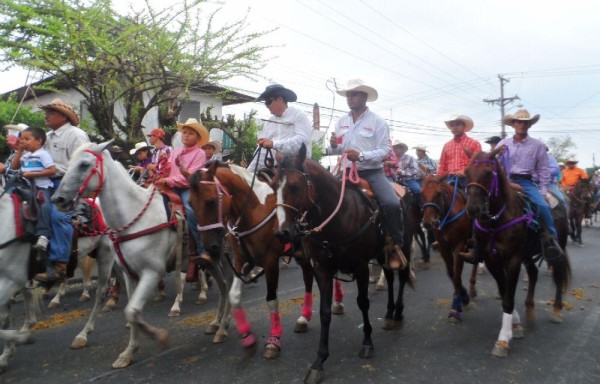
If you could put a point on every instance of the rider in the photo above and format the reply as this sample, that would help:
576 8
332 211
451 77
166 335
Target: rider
287 128
61 142
408 168
454 160
526 161
571 175
183 162
426 165
213 150
365 138
159 162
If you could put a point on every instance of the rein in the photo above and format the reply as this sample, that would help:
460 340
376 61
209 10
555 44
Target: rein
447 220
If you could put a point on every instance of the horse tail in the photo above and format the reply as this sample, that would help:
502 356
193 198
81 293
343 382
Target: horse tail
562 272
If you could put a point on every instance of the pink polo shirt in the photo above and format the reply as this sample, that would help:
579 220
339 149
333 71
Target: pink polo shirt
192 159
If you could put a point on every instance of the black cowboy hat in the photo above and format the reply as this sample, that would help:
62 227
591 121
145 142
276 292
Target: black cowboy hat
275 90
493 140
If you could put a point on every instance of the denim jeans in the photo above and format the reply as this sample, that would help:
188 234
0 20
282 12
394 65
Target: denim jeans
184 193
543 209
62 232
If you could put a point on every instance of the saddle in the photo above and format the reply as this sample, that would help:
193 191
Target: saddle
172 202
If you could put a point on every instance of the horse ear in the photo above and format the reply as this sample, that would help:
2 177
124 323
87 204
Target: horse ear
301 155
212 168
102 146
467 152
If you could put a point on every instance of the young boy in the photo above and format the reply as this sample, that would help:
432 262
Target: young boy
37 165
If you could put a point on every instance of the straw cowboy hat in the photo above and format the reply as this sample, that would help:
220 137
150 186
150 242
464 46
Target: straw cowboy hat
420 147
139 147
15 129
521 115
65 108
194 124
275 90
571 161
216 144
398 143
465 119
357 85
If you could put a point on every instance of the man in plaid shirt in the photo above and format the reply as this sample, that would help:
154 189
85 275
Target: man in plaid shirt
454 160
408 168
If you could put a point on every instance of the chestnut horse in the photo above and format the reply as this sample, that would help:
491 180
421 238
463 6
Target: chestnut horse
580 200
229 209
502 223
349 234
444 212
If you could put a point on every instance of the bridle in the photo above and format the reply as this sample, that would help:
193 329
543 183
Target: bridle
447 220
99 170
492 191
221 191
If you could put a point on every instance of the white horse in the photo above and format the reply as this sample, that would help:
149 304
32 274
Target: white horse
140 231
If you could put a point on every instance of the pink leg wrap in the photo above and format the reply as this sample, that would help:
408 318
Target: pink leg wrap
243 325
275 324
338 291
307 306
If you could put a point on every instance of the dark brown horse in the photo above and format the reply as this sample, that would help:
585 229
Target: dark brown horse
344 241
228 210
580 201
504 235
444 212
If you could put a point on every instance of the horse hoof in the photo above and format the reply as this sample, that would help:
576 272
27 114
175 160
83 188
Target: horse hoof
366 352
454 317
271 352
379 287
337 308
301 328
219 337
313 376
175 313
472 293
200 301
79 342
122 362
517 331
530 316
211 329
110 305
556 317
84 298
53 305
249 344
160 297
162 336
388 324
500 349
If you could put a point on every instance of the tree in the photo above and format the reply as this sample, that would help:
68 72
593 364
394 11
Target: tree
562 148
150 58
11 112
243 133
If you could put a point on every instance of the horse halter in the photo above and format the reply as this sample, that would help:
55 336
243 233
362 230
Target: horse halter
493 190
221 191
440 208
307 191
98 169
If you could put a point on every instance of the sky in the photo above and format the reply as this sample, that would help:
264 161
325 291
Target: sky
428 60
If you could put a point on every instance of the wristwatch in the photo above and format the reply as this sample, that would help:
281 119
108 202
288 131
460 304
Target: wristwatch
361 157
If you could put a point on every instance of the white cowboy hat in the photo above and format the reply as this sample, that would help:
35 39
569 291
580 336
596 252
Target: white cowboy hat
138 147
398 143
357 85
15 129
521 115
63 107
420 147
198 127
216 144
465 119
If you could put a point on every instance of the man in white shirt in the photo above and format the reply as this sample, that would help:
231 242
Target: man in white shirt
63 139
287 128
365 137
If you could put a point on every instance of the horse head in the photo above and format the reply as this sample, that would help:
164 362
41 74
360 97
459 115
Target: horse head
84 176
483 177
433 200
212 203
295 194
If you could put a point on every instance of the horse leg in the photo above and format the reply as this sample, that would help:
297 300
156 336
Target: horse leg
338 297
203 283
55 302
307 305
325 284
114 290
367 349
176 308
508 305
473 281
403 278
178 251
248 339
219 326
532 273
388 320
380 285
9 345
87 265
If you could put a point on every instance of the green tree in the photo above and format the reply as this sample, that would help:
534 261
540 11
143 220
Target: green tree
562 148
11 112
149 58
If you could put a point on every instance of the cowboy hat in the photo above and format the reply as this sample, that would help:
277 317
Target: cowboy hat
157 132
398 143
14 129
493 140
420 147
521 115
465 119
216 144
139 147
275 90
571 161
357 85
195 125
65 108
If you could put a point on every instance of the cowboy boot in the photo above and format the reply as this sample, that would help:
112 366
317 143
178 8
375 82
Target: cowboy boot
55 271
551 251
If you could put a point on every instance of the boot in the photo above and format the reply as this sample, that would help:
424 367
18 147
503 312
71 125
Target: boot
55 271
551 251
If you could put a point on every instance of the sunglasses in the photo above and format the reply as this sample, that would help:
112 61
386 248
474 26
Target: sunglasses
270 100
354 94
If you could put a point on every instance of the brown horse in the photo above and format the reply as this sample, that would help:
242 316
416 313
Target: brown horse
444 212
344 241
502 223
580 201
229 210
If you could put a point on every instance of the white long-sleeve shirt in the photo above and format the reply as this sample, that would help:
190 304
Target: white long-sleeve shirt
61 143
370 135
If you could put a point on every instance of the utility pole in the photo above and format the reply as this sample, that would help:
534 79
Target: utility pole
502 101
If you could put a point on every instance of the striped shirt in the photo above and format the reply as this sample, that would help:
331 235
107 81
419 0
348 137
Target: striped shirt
527 157
36 162
454 158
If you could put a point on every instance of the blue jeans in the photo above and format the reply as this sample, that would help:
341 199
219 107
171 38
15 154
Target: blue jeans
543 209
413 185
42 226
62 232
184 193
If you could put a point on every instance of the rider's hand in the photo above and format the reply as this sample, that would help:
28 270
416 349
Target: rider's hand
265 143
352 154
333 140
461 173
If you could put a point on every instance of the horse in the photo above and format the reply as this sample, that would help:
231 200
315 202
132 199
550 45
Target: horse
146 241
580 200
232 207
86 265
337 240
502 225
444 213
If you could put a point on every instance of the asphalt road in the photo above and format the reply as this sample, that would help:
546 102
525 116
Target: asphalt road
426 349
